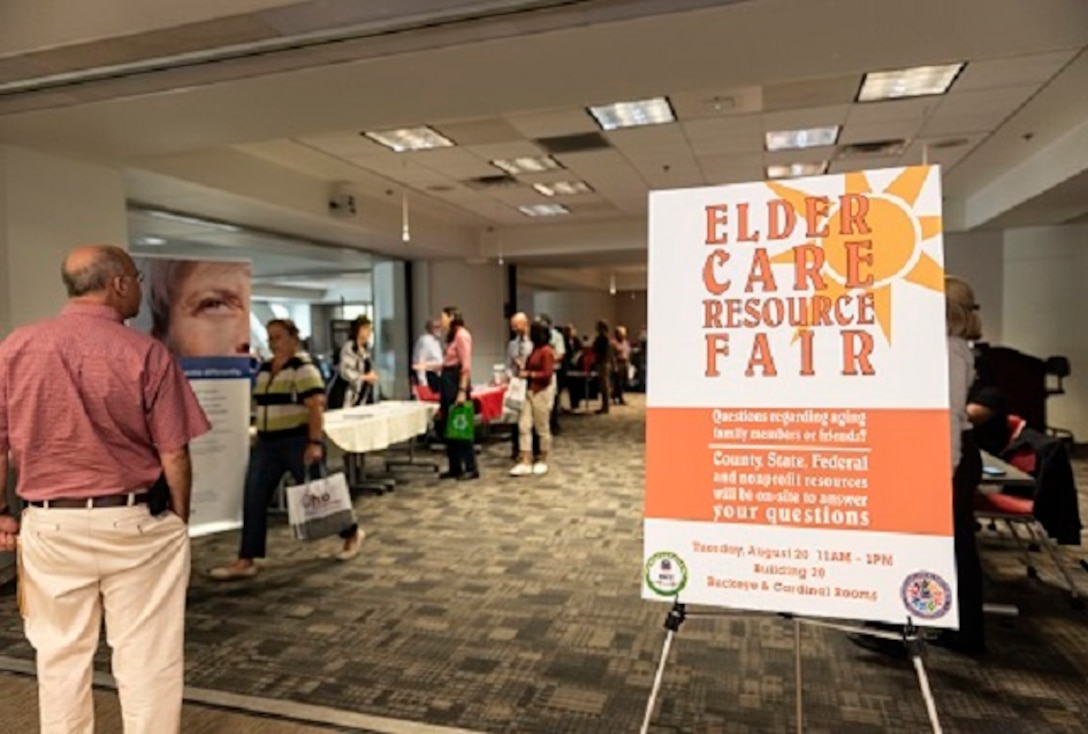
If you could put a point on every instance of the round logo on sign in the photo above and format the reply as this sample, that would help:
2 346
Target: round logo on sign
460 422
926 595
666 574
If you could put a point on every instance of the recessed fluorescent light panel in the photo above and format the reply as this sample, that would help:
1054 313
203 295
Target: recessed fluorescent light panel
563 188
797 169
151 241
527 164
411 138
655 111
797 139
185 219
543 210
916 82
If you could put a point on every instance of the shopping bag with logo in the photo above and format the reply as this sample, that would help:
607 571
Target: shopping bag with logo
514 397
461 422
321 507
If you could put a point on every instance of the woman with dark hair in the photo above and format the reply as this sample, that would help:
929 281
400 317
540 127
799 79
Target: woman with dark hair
456 390
357 366
539 402
290 397
604 363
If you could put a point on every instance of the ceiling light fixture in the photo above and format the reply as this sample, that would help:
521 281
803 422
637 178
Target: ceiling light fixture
410 138
527 164
151 241
653 111
563 188
612 284
405 230
812 137
918 81
797 169
543 210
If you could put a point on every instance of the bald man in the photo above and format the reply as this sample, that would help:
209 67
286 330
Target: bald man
94 415
517 352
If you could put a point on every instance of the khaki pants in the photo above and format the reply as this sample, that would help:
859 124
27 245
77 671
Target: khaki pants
536 413
77 564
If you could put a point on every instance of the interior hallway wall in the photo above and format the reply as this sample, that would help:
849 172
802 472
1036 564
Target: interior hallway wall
49 205
979 258
1045 308
480 292
581 308
631 311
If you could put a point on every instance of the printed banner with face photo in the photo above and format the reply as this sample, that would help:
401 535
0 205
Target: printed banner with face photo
798 456
200 310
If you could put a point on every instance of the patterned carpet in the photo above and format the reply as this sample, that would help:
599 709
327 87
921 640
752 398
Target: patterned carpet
512 605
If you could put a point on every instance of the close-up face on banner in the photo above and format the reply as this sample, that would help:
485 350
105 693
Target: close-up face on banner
198 308
797 430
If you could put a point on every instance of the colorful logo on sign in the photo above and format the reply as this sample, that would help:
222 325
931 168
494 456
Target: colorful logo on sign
926 595
666 574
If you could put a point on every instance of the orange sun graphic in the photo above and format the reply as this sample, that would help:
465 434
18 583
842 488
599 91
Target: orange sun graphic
897 234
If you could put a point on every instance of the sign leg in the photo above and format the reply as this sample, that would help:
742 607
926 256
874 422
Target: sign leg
914 647
657 683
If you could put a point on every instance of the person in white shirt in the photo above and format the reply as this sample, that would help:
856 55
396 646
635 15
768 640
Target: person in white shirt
517 352
427 356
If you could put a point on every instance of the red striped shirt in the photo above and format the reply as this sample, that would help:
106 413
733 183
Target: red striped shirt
87 404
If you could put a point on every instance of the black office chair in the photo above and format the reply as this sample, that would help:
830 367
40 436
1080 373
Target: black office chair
1057 367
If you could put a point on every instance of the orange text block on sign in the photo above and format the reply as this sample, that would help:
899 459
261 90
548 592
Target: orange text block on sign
884 470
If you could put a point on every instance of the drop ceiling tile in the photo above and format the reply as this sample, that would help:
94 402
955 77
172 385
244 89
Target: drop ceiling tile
497 151
723 127
1010 72
650 137
872 113
716 103
733 168
863 164
945 125
811 93
548 123
344 145
943 156
596 160
800 119
481 131
1005 100
889 130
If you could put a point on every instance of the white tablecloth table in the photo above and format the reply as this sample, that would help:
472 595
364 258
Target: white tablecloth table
369 428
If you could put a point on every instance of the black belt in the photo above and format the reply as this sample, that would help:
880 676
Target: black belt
113 500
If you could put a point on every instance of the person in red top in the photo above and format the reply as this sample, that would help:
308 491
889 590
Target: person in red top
540 399
93 414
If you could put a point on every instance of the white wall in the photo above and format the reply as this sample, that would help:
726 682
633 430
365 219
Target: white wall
979 258
1045 309
49 205
631 311
480 292
581 308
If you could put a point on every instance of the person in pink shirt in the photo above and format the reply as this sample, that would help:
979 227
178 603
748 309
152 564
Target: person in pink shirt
456 389
97 417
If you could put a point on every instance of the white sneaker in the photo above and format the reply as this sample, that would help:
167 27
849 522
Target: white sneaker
521 470
347 555
540 468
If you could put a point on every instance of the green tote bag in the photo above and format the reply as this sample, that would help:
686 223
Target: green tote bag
461 422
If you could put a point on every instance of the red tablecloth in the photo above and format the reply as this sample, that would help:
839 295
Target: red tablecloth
488 399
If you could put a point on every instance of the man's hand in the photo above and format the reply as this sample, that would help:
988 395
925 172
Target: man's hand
9 533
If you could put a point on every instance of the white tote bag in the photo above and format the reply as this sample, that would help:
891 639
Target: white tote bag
515 395
320 508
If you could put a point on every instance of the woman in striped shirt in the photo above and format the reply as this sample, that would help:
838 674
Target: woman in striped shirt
290 397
